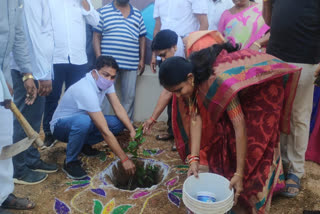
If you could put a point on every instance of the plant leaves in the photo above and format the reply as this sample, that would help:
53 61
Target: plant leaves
103 156
109 207
99 191
97 207
174 199
122 209
182 166
146 153
139 194
60 207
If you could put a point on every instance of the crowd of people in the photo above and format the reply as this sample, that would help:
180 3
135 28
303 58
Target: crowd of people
237 76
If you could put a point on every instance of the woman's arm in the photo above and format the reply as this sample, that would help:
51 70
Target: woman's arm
237 118
195 139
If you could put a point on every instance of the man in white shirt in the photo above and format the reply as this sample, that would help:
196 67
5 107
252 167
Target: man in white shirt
79 121
12 39
28 167
69 20
183 17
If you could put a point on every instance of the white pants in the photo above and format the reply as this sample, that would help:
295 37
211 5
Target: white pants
294 145
6 166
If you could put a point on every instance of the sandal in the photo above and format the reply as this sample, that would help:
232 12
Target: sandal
13 202
164 137
294 178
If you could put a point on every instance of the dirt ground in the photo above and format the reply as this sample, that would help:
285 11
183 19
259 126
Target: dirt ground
58 194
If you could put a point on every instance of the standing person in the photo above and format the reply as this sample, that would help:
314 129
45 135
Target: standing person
183 17
121 34
12 38
165 44
79 121
69 20
28 167
296 39
244 24
215 10
221 103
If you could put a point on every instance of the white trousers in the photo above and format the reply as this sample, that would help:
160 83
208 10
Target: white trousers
294 145
6 166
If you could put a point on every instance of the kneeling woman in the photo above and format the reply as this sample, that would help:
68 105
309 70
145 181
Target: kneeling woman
232 106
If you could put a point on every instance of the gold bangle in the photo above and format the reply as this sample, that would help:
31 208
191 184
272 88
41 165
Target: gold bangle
237 174
257 44
25 77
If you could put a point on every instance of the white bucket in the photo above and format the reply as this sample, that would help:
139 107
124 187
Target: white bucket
208 182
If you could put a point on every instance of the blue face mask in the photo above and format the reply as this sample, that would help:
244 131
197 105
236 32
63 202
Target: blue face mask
103 83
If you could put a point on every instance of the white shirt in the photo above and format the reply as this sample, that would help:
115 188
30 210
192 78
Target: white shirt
180 48
82 97
69 26
215 11
39 36
179 15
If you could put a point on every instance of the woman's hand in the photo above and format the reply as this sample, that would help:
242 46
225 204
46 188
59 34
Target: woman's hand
147 125
236 183
194 169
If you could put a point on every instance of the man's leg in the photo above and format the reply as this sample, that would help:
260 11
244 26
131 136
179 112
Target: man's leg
31 157
297 141
114 124
73 130
128 90
6 166
52 101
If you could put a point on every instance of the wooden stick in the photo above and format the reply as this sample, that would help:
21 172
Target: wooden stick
25 125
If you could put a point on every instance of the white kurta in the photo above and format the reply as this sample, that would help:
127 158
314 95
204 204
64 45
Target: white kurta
6 166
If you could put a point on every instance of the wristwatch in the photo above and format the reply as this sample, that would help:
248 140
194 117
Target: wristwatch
25 77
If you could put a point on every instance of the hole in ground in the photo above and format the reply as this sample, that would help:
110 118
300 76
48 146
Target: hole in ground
149 173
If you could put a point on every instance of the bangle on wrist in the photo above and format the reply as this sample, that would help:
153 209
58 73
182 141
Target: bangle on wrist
153 120
124 160
238 174
193 160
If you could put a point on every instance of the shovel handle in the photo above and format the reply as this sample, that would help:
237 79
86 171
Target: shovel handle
25 125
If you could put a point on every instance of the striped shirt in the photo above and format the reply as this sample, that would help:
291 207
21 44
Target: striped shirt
120 36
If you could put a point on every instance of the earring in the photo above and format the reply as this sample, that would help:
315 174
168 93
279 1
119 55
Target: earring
192 83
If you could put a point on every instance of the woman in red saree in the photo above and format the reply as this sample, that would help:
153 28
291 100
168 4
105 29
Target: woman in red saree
234 104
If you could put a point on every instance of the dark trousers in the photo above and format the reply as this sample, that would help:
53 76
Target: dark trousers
33 115
68 73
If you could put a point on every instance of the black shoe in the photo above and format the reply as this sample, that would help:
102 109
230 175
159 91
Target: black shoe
44 167
49 141
74 170
30 178
87 150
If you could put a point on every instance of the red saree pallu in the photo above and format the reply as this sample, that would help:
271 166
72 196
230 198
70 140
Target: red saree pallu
266 88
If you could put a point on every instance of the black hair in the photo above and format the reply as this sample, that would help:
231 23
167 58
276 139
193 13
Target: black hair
175 70
108 61
164 39
203 60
